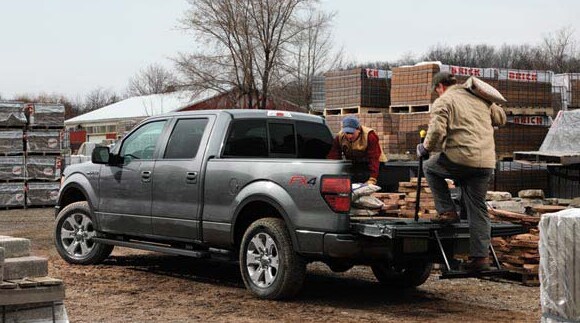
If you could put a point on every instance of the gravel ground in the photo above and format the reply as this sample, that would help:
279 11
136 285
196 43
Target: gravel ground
139 286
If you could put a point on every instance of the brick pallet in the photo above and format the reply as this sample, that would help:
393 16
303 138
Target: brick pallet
567 86
359 87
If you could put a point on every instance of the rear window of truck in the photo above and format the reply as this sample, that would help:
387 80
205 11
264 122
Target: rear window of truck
272 139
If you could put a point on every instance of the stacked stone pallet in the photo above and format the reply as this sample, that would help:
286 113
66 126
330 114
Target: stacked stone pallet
27 294
519 254
356 90
31 139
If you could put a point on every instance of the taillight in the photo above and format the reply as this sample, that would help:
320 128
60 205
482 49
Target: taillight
336 191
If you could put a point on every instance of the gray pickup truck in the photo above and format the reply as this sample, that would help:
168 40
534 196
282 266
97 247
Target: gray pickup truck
246 185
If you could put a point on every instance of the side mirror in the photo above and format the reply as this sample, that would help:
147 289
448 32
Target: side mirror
100 155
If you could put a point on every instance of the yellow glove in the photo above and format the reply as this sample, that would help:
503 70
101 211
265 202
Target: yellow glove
372 180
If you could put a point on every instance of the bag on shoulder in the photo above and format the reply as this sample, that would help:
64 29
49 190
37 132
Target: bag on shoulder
483 90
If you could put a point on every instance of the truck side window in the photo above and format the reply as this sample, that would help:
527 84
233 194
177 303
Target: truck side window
314 140
141 143
185 138
282 139
247 138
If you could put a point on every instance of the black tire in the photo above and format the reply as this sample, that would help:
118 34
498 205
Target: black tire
73 235
408 275
276 271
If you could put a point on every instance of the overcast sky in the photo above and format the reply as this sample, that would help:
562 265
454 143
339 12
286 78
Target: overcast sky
71 47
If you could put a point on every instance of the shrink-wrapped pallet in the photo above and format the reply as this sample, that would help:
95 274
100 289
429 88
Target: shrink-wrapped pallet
11 142
12 115
12 168
11 194
44 141
47 115
560 266
43 167
42 194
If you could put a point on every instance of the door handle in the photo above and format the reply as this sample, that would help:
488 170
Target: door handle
146 176
191 177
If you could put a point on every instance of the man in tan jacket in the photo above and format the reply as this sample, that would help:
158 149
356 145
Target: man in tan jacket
461 128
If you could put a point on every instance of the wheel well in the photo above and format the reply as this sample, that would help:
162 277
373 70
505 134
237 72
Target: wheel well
71 195
249 214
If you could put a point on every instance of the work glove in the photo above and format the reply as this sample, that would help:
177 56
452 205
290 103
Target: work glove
371 181
422 152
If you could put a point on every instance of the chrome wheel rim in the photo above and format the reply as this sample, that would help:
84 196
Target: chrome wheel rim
76 235
262 260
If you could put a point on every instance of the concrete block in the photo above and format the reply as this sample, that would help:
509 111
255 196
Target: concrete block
512 206
15 247
498 196
31 266
43 312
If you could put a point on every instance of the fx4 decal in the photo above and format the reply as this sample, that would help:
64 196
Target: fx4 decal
302 180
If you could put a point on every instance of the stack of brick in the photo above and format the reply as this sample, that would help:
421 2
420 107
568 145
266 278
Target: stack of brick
411 85
354 90
526 89
392 203
26 293
426 202
31 143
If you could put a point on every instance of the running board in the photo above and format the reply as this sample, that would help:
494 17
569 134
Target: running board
154 247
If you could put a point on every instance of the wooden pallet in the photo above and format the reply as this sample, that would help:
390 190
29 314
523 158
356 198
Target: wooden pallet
542 158
354 110
410 108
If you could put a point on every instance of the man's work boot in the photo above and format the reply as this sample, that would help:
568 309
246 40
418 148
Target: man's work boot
477 264
449 217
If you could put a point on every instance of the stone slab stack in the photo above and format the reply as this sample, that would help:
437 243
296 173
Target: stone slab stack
32 142
26 291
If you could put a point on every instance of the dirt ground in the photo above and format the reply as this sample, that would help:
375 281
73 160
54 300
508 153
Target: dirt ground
139 286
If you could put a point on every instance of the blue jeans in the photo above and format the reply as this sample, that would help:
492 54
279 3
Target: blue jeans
473 183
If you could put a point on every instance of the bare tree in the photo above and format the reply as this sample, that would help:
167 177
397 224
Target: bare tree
559 48
309 54
243 44
99 98
154 79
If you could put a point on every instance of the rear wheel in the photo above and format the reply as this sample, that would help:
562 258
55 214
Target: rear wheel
74 233
270 267
407 275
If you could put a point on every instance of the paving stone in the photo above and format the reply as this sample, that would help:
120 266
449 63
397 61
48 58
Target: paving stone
498 196
531 194
15 247
46 281
21 267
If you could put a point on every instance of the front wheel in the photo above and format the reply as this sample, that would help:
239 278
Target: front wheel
270 267
74 233
407 275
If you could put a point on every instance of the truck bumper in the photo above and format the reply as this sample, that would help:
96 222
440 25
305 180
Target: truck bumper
341 245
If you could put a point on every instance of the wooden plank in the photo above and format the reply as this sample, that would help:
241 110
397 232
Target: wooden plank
543 158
